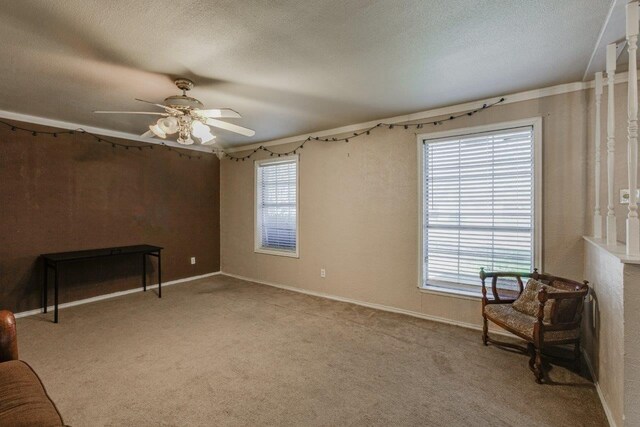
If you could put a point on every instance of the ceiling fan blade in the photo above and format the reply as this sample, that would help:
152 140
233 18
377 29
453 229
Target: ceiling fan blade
230 127
132 112
147 134
169 109
225 113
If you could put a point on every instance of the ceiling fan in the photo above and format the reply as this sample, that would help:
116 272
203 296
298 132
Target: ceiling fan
187 117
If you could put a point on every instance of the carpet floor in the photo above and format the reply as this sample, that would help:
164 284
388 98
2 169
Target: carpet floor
221 351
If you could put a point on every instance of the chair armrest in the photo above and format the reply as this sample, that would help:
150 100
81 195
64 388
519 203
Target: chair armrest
543 296
539 326
502 301
575 298
503 274
561 326
495 275
8 337
567 295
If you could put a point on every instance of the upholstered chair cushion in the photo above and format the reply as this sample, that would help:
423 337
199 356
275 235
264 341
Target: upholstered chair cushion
522 324
527 303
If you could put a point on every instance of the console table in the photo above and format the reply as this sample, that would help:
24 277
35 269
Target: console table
51 261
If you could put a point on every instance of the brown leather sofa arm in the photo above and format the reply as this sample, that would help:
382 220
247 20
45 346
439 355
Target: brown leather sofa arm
8 337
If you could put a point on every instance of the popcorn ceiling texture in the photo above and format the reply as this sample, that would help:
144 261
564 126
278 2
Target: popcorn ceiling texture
289 67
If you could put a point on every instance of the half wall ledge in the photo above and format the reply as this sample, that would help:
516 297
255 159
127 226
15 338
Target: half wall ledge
619 250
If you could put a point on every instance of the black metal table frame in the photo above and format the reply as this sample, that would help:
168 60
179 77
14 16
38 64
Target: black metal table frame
51 264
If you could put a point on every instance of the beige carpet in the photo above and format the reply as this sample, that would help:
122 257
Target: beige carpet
220 351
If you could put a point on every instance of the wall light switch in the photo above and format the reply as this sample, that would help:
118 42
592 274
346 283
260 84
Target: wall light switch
323 273
624 196
193 260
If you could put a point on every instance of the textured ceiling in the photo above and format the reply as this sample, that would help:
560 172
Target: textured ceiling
288 66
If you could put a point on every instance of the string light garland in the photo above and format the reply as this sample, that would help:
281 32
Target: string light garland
114 144
368 131
183 153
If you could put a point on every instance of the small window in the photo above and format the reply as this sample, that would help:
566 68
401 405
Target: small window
478 207
276 223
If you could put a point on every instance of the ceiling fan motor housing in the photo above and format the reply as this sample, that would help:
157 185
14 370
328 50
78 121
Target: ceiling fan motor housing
183 84
183 101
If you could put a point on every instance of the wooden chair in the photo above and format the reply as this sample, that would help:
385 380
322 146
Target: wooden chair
557 326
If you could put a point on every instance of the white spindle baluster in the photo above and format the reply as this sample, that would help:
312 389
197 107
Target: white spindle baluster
611 144
597 217
633 227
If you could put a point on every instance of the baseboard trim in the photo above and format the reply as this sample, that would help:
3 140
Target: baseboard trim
370 305
382 307
607 410
114 295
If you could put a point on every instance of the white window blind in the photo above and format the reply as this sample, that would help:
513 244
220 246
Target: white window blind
478 206
276 191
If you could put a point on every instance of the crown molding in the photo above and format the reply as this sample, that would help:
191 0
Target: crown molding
9 115
444 111
509 99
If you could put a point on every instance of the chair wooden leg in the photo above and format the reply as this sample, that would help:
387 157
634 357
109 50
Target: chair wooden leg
538 366
577 356
532 356
485 331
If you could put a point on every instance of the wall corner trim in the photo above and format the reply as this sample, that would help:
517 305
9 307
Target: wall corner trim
27 118
605 406
436 112
390 309
114 294
375 306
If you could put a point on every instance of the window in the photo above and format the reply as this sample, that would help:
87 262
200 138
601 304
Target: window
478 206
277 206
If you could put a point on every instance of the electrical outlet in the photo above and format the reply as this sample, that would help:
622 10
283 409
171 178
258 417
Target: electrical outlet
624 196
193 260
323 273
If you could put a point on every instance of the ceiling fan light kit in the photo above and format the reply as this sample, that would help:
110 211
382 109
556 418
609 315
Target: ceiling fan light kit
199 129
157 131
185 116
169 124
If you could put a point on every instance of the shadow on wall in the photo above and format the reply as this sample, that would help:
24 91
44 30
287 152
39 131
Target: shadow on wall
591 322
77 280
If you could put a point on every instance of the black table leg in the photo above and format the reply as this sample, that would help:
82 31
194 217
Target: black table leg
144 272
45 300
159 274
55 297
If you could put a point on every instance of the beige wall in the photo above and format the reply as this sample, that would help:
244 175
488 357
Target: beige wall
603 330
359 212
611 338
631 280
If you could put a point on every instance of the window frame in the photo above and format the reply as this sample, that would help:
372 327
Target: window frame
463 290
258 248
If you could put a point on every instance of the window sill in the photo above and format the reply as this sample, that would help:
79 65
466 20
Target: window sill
451 292
276 252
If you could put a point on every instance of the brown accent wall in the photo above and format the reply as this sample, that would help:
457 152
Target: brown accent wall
72 192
